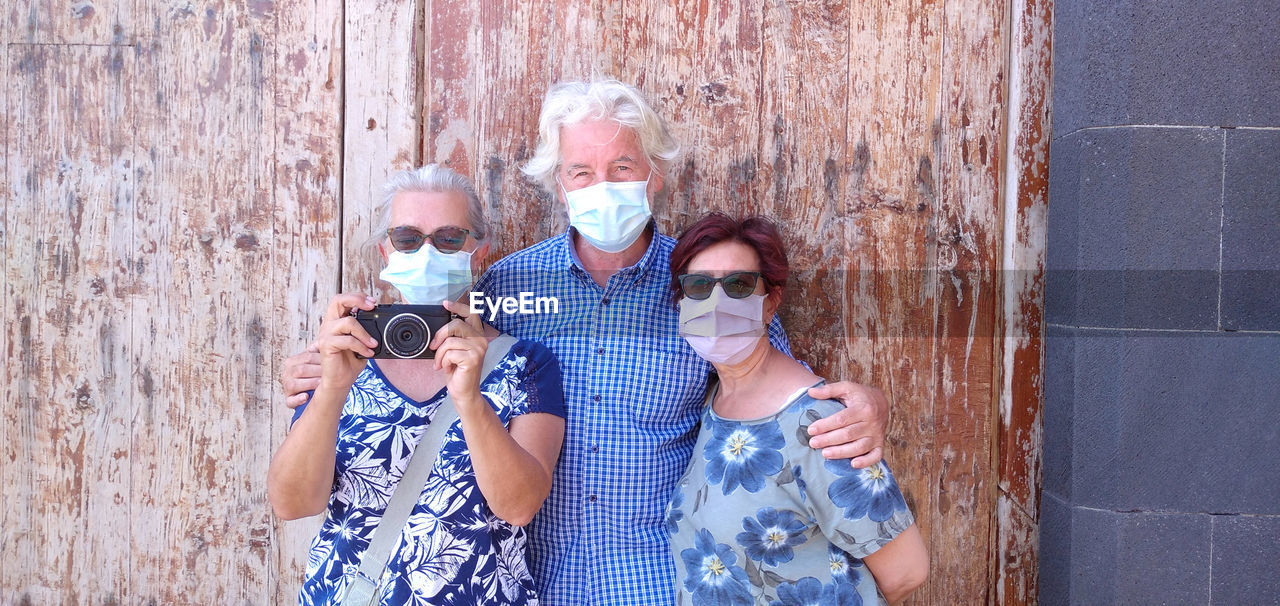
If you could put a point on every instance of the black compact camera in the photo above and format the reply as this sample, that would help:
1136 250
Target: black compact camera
403 331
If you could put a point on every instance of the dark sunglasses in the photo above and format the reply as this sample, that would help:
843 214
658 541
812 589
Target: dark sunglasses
738 285
447 239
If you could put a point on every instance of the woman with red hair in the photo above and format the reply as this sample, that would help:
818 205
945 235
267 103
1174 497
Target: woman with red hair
760 517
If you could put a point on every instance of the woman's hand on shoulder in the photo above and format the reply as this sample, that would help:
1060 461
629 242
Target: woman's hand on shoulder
341 339
460 347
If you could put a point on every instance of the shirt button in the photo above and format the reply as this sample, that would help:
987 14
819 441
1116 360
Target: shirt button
595 398
600 351
604 301
595 448
592 498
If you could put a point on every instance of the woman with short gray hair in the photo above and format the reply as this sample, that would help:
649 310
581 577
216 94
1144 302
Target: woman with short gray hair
425 179
351 443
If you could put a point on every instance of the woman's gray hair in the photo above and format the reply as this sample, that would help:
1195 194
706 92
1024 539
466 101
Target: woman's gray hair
431 178
570 103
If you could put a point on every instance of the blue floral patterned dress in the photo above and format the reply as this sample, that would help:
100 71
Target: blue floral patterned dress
454 550
761 518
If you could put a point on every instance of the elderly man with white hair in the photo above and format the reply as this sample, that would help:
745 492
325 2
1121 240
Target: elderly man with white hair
633 387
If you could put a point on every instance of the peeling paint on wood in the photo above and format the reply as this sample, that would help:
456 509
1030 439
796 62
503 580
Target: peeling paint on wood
11 175
449 71
88 22
66 453
1018 539
876 136
220 191
888 304
507 125
800 126
383 81
202 439
1020 438
307 219
968 228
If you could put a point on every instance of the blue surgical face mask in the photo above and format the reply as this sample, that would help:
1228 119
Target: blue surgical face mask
428 276
610 215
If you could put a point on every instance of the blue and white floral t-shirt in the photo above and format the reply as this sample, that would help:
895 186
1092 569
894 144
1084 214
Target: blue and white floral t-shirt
453 550
761 518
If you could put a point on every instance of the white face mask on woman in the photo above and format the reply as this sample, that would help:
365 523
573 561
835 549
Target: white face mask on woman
610 215
723 330
427 276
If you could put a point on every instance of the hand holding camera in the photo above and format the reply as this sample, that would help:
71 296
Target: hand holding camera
355 328
343 340
460 347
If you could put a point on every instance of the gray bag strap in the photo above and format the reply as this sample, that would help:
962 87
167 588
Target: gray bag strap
364 588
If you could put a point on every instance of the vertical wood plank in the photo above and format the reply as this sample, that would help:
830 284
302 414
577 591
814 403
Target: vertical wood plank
9 466
109 22
305 257
453 77
709 91
804 93
1026 197
887 204
9 469
580 29
68 258
380 129
1017 549
515 41
974 54
201 525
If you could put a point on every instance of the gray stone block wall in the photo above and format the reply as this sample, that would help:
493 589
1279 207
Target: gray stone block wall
1162 364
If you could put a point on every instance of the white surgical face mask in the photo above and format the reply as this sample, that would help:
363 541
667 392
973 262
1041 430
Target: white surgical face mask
723 330
610 215
427 276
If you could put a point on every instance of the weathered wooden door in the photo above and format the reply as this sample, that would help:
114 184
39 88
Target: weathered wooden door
185 184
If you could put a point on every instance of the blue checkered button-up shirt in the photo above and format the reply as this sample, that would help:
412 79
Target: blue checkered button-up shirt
633 393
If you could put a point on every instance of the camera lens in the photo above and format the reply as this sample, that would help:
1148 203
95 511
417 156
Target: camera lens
406 336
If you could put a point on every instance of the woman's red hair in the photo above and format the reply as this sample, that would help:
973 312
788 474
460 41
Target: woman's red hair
757 232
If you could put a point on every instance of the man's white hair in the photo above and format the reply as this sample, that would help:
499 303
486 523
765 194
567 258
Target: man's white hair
569 103
431 178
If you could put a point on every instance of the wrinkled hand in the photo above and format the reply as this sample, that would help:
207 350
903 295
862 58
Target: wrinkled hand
300 374
858 431
341 338
460 347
